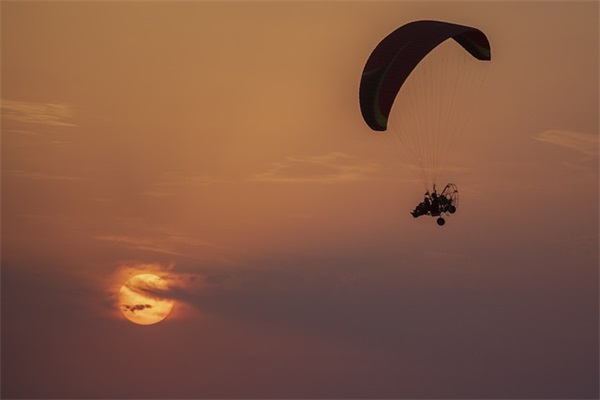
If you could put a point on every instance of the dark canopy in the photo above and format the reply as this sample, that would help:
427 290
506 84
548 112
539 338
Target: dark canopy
398 54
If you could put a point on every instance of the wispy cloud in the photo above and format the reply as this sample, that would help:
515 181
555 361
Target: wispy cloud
170 244
585 143
54 114
168 182
139 243
181 286
39 176
328 168
20 132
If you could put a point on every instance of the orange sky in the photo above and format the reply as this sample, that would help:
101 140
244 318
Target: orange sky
221 146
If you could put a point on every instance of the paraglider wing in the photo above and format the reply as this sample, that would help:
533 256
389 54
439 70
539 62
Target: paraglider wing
394 58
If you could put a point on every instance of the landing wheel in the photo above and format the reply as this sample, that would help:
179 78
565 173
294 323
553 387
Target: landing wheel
441 221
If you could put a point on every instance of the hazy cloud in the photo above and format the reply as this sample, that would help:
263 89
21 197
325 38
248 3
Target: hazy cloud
585 143
55 114
328 168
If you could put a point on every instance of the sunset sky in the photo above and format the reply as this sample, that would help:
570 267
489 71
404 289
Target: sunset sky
220 146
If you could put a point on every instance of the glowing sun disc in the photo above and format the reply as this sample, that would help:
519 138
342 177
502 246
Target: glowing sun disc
141 302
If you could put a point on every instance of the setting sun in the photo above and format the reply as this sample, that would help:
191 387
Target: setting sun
141 302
